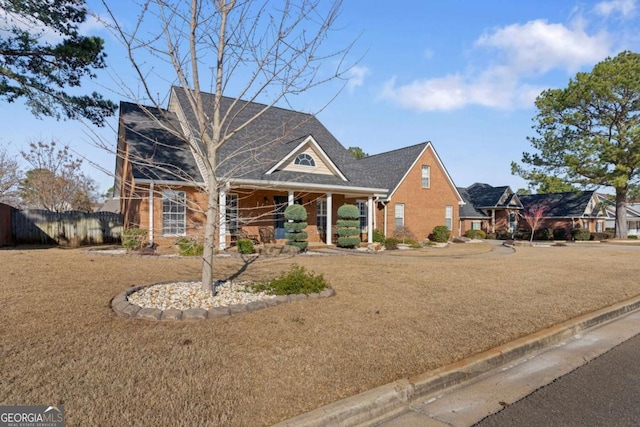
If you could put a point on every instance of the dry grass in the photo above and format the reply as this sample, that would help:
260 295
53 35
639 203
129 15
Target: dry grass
393 316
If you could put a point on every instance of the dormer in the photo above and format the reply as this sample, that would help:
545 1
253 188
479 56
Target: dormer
308 157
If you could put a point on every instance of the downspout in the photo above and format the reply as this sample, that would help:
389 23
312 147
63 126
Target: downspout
151 214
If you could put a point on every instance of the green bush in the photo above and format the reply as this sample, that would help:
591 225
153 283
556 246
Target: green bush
348 225
189 247
245 246
580 234
475 234
133 238
491 236
633 237
296 213
440 234
296 281
543 234
560 234
349 212
295 234
391 243
378 236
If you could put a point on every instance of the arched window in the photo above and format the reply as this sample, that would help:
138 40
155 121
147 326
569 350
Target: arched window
305 160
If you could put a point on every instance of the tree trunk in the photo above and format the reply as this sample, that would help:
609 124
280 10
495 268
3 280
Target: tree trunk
621 213
210 228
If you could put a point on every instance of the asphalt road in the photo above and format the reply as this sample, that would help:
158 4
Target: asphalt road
604 392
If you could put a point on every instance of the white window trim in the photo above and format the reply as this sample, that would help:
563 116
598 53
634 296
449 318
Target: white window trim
398 214
448 217
363 204
171 196
427 169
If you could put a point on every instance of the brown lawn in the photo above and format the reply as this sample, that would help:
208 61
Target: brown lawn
393 316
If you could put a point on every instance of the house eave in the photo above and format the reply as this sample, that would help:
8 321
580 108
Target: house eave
284 185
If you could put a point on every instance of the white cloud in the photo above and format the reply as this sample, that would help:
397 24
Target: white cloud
525 52
537 46
624 7
356 77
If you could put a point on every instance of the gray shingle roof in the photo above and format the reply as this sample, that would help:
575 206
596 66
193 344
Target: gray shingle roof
155 153
387 169
486 196
560 205
468 210
257 148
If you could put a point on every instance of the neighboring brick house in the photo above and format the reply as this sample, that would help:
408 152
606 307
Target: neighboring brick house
421 194
491 209
569 210
282 157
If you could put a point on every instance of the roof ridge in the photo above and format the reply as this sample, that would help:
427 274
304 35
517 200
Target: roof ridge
230 98
395 150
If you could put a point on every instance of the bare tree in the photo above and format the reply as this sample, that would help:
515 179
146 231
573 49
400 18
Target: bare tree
533 215
10 176
264 51
55 181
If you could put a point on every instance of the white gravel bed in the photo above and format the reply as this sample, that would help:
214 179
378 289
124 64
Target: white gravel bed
186 295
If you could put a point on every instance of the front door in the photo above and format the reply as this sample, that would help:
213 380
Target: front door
280 203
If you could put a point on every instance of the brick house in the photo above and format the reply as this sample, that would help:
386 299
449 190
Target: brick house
421 193
488 208
280 158
569 210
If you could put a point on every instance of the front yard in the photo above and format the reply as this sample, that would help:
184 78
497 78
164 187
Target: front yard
392 316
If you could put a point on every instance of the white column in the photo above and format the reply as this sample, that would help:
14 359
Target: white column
222 229
493 220
385 218
370 219
151 214
329 218
291 198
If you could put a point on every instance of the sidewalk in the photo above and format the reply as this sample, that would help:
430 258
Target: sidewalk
465 392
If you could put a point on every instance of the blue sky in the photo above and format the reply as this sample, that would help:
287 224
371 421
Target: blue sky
462 74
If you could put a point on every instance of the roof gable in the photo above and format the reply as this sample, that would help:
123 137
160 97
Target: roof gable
391 168
322 163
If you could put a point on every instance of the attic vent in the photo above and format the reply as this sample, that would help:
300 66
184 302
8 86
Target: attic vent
305 160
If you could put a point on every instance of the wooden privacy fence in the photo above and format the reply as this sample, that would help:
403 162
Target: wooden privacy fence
35 226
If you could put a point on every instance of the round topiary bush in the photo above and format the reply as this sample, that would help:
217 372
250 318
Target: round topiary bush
440 234
295 234
580 234
348 225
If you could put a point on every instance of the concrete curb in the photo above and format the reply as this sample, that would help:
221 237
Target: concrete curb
387 401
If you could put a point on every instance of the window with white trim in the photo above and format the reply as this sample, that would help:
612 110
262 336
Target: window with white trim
399 214
599 227
426 176
364 215
476 225
448 217
232 216
303 159
321 214
174 213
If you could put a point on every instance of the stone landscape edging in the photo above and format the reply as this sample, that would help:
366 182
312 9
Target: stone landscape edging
122 307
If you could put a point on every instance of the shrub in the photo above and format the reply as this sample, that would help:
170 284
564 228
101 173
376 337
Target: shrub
580 234
295 235
189 247
601 236
378 236
633 237
391 243
133 238
491 236
560 234
440 234
503 236
348 225
296 281
403 233
245 246
543 234
475 234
